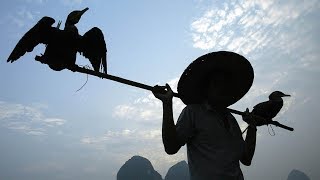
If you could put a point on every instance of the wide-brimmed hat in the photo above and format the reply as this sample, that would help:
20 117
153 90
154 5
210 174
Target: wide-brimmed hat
197 75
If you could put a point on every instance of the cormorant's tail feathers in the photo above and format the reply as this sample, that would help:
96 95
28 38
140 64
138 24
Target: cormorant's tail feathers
104 64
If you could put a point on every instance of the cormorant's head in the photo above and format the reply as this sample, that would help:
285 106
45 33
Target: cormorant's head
75 16
276 95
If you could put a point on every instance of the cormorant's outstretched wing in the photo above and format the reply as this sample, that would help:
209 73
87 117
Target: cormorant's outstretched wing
93 47
40 33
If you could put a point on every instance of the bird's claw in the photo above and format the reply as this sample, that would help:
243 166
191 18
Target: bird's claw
73 67
40 59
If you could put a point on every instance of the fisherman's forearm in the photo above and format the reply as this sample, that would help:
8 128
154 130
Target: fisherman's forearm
169 135
250 144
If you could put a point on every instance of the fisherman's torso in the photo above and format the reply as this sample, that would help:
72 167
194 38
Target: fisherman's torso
214 150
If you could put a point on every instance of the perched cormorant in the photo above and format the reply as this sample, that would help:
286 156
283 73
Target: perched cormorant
269 109
62 45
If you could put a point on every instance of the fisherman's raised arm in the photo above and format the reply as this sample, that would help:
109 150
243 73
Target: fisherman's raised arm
250 141
169 134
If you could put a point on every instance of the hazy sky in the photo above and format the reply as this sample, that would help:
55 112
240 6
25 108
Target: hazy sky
50 131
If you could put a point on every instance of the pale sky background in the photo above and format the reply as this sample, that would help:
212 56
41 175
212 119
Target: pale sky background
50 131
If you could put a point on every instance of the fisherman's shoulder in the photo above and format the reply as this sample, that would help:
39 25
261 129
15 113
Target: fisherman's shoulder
195 108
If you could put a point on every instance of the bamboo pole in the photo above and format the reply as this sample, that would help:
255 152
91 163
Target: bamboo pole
147 87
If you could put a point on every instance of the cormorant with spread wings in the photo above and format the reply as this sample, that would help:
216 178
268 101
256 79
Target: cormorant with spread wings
62 45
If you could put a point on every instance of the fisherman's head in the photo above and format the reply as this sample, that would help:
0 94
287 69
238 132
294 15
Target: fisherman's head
218 88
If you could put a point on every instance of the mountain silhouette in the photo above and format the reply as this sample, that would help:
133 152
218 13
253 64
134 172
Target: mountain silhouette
138 168
179 171
297 175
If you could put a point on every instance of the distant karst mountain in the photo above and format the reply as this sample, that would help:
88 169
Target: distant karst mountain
138 168
179 171
297 175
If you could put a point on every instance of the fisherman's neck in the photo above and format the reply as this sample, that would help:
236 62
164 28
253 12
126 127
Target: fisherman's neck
211 107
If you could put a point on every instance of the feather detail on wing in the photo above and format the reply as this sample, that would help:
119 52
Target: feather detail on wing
40 33
93 46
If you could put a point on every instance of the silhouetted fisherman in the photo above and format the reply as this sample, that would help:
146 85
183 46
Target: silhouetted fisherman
215 146
63 45
269 109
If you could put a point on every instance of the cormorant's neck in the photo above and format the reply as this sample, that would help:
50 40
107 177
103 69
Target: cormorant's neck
70 27
69 24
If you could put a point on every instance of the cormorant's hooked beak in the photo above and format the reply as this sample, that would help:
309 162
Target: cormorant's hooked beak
80 13
83 11
285 95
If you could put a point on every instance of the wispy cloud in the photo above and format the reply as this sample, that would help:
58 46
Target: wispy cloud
24 127
114 137
21 18
248 26
51 122
27 119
